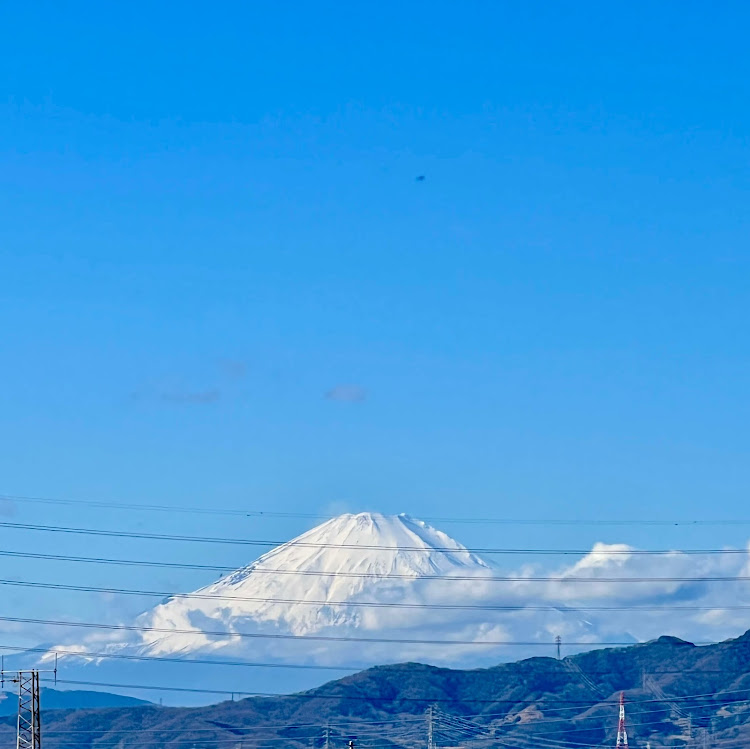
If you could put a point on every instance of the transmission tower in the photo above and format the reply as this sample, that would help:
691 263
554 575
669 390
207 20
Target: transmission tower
622 734
29 725
430 728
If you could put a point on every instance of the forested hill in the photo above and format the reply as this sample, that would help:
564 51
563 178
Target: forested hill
675 692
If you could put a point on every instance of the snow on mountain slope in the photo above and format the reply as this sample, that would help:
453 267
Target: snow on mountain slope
366 557
368 588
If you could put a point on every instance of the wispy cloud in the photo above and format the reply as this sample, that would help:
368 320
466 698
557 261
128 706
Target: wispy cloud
234 369
347 394
180 391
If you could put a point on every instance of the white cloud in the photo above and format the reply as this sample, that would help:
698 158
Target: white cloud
609 609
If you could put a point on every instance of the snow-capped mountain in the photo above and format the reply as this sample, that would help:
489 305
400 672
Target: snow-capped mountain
366 589
329 597
319 581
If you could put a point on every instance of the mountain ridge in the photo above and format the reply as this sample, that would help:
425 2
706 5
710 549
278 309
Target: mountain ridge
570 701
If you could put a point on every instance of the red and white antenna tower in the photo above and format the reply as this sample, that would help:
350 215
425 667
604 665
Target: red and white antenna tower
622 734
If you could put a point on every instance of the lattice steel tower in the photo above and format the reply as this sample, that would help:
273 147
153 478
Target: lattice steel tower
29 726
622 734
29 735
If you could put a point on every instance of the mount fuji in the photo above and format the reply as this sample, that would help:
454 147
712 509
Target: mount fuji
351 581
330 578
366 589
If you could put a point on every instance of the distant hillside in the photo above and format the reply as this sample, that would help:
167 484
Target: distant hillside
675 691
54 699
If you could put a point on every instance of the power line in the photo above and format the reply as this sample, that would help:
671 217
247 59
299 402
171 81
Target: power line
468 727
241 733
357 546
182 509
315 638
318 638
21 650
604 703
360 724
122 562
312 695
321 573
371 575
236 740
130 506
356 723
260 743
366 729
506 578
364 604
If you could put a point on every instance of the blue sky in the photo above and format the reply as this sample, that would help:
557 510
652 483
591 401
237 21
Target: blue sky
211 220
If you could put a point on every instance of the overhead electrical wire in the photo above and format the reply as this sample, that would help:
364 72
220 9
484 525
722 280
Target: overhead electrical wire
96 655
505 578
459 722
201 539
630 722
312 695
322 573
260 743
243 737
445 724
560 608
300 638
508 740
368 575
108 533
121 562
361 726
398 728
360 732
358 723
338 725
544 743
316 638
183 509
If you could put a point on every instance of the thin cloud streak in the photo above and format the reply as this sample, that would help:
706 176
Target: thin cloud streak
234 369
189 399
347 394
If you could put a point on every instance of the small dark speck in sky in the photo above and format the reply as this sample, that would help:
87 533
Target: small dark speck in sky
420 178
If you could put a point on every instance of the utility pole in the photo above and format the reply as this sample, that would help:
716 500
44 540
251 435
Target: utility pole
430 732
328 736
